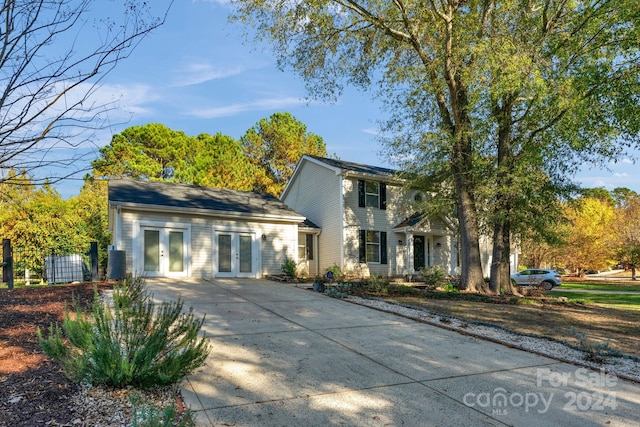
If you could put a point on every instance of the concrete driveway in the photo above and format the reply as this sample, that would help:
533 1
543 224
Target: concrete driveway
286 356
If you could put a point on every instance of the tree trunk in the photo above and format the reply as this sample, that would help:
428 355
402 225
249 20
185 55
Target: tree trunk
501 262
471 277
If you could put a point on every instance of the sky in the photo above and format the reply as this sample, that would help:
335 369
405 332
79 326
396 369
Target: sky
197 74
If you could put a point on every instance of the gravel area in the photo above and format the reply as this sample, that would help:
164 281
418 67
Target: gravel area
622 366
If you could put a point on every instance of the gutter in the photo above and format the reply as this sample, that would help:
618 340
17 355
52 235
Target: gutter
209 212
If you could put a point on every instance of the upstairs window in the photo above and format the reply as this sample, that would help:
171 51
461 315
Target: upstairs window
372 194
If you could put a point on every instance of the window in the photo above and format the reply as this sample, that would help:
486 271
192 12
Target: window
372 194
305 247
373 246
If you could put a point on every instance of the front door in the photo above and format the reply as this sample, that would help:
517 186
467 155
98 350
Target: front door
235 254
164 252
418 252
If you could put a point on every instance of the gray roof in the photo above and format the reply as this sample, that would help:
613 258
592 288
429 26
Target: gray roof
173 195
357 167
308 224
411 221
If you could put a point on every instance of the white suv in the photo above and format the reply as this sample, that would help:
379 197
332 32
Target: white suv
547 279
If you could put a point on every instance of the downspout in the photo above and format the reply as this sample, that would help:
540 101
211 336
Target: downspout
343 222
117 228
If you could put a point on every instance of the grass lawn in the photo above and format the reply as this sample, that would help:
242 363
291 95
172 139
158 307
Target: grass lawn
600 286
613 300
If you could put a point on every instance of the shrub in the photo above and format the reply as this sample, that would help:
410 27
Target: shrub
131 343
289 267
377 284
402 290
433 276
149 416
595 351
335 272
450 287
341 290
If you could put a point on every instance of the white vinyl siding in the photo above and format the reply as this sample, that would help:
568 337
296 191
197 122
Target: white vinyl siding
280 241
372 218
315 193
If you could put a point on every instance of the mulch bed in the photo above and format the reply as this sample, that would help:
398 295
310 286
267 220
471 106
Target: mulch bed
33 390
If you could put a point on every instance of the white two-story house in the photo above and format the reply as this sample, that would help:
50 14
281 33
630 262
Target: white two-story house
366 221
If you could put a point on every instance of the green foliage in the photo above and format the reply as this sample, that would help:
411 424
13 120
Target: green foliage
341 290
500 101
450 287
402 290
155 152
150 416
134 342
376 284
289 267
335 271
274 146
39 222
434 276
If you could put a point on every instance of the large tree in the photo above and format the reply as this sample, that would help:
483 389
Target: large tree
155 152
217 161
493 97
589 235
274 146
53 55
626 228
40 223
152 151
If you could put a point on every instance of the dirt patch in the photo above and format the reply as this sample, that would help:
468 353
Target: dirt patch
618 326
33 390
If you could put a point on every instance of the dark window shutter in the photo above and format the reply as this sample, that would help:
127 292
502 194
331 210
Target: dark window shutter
383 195
309 246
361 195
363 246
383 247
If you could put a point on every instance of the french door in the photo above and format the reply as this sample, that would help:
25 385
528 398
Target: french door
164 252
235 254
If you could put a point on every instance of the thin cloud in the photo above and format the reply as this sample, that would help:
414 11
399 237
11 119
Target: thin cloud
371 131
233 109
131 99
199 72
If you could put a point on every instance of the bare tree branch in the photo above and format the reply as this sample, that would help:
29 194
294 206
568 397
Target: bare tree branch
53 56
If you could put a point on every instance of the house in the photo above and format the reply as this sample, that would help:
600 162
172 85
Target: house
332 213
367 221
174 230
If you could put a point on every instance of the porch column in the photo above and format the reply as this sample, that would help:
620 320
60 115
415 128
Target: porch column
409 254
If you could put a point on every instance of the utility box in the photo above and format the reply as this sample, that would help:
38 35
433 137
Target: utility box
116 265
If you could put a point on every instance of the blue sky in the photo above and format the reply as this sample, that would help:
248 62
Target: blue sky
194 74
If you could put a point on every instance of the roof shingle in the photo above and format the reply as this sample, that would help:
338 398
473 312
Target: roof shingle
158 193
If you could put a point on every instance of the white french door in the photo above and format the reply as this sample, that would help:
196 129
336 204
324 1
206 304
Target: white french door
235 255
164 252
